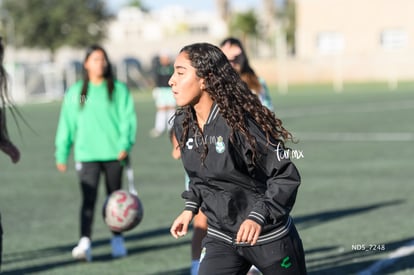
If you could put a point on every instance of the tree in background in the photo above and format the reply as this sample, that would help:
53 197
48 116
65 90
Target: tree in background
138 4
253 28
244 25
51 24
287 16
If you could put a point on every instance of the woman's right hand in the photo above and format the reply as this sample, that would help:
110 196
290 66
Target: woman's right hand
176 154
61 167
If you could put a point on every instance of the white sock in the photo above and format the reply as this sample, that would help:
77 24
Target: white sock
195 264
84 242
160 120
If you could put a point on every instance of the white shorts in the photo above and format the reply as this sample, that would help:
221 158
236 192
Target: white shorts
163 97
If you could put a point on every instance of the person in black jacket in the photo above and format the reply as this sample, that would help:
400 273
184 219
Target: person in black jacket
233 150
6 146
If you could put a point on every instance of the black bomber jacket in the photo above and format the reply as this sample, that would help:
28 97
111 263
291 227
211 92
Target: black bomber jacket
229 188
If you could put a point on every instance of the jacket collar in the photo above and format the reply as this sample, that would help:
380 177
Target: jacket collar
213 113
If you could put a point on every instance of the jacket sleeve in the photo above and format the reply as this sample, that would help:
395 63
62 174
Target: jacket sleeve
279 175
192 194
66 128
192 197
127 118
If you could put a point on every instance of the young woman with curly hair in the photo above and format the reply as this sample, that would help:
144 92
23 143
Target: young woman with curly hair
232 150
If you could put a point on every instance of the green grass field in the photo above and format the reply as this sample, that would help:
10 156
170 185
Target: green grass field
357 172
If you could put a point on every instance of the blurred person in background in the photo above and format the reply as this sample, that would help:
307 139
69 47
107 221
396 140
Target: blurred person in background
235 53
6 146
164 100
98 118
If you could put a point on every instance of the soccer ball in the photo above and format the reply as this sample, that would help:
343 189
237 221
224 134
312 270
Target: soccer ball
122 211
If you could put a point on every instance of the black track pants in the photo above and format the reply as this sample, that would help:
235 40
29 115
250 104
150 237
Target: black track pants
282 257
89 175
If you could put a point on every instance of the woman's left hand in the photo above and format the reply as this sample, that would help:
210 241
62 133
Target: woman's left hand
249 232
122 155
180 225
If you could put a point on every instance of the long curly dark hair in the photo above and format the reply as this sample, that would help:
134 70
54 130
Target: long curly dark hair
236 102
4 97
108 74
6 144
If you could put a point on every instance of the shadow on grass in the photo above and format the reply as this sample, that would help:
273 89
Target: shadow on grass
307 221
38 268
142 249
340 262
322 260
182 271
56 251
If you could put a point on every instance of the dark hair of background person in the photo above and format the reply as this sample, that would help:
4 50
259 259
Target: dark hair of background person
5 144
108 74
247 73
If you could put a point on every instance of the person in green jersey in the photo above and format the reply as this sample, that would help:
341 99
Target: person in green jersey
98 119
